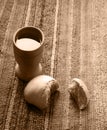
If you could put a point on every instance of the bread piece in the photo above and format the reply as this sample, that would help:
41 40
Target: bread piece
79 92
39 90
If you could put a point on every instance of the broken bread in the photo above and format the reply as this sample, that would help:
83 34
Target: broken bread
39 90
79 92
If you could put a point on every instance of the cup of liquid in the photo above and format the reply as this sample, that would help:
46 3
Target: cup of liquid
28 49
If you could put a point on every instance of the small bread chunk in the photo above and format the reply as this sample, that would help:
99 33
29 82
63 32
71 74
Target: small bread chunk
79 92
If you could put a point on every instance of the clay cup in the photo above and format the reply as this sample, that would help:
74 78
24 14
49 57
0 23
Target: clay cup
28 63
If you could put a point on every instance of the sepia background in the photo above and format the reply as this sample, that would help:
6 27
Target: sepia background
75 45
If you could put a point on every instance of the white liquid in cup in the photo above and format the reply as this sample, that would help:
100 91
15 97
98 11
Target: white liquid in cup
27 44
